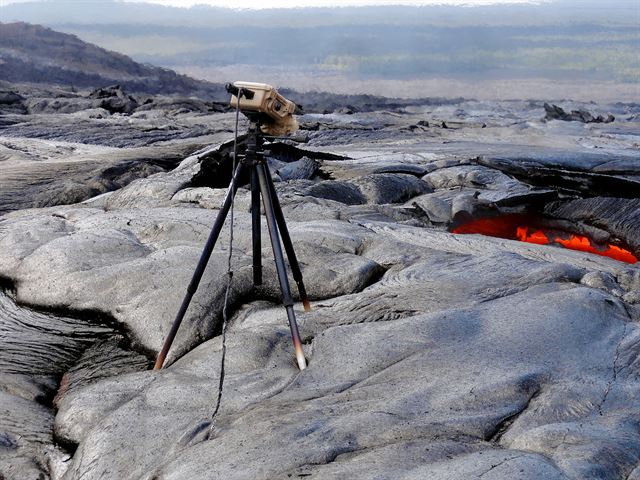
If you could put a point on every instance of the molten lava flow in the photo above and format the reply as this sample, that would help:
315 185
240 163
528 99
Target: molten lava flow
575 242
536 237
515 227
502 227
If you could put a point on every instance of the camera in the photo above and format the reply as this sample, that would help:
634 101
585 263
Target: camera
263 104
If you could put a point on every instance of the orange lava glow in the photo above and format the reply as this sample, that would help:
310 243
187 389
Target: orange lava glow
511 227
575 242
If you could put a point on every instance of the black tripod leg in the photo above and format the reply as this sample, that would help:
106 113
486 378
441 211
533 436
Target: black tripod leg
288 245
255 228
287 299
200 268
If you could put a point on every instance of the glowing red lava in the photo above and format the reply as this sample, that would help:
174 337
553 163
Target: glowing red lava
511 227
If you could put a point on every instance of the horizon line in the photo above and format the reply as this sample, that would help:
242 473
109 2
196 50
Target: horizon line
245 5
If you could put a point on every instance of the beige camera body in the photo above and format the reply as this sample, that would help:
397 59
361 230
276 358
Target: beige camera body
267 101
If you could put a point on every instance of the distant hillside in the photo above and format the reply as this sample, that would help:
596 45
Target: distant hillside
32 53
542 49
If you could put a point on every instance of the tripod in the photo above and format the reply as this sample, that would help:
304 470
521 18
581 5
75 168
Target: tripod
261 185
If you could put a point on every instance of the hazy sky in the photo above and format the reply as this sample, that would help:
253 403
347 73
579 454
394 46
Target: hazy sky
322 3
301 3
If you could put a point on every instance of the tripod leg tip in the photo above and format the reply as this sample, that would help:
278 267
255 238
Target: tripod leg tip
303 296
159 362
306 304
302 362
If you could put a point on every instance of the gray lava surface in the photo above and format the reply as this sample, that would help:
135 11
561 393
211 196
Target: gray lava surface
431 354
